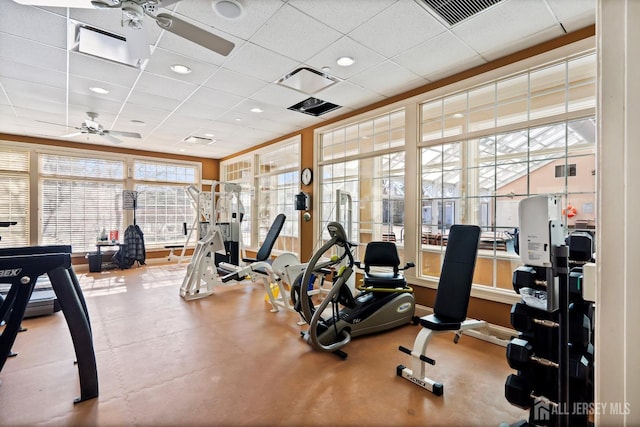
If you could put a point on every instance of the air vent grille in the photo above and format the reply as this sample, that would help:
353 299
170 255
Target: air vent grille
314 107
454 11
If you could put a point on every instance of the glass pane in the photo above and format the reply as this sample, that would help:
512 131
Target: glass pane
582 70
513 89
581 97
455 109
483 97
548 104
482 119
512 112
550 79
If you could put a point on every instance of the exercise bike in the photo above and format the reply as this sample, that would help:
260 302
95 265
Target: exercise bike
384 301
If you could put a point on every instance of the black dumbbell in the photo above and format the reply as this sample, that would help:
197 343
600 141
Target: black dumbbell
523 318
519 392
579 327
520 354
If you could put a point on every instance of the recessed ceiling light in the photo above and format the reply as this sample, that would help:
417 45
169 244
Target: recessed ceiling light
345 61
100 90
182 150
180 69
209 135
326 69
230 9
256 110
238 119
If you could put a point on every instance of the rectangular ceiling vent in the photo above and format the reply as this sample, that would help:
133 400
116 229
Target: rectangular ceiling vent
307 80
314 107
103 44
455 11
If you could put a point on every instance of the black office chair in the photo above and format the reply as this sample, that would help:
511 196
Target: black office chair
382 254
450 308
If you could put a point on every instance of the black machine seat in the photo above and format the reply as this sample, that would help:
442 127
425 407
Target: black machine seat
265 250
437 324
382 254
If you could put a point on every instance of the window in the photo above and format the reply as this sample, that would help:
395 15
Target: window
362 178
163 205
278 183
269 188
79 197
484 150
14 192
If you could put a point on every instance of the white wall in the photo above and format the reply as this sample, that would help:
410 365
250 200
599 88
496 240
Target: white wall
618 235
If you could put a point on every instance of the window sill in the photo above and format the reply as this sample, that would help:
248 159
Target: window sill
477 291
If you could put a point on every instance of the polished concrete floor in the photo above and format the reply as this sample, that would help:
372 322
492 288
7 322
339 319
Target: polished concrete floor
227 360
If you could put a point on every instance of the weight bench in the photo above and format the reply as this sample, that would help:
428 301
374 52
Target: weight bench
450 308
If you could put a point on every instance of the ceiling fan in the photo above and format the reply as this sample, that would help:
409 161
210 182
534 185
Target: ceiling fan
133 12
91 126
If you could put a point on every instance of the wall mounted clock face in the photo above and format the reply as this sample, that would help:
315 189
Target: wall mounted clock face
306 176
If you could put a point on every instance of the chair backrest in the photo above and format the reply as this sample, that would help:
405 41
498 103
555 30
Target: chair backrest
454 287
381 254
265 250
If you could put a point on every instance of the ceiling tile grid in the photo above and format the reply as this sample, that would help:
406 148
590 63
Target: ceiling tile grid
397 45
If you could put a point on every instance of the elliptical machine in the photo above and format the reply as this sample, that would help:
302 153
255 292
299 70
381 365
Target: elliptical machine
385 300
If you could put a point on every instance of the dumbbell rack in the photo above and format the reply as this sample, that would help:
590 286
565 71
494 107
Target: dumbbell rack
554 378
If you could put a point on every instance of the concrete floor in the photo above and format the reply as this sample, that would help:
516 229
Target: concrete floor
227 360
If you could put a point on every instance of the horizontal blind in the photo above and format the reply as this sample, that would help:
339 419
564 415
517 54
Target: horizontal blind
163 205
79 197
14 193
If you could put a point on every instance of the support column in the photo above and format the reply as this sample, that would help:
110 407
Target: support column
617 377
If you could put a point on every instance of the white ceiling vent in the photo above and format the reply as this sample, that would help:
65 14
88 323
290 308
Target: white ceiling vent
455 11
103 44
307 80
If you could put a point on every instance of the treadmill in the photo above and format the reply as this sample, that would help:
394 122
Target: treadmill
43 301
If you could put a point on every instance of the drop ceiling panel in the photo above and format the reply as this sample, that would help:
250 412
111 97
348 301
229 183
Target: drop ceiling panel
342 15
399 27
351 95
162 60
236 83
215 98
23 51
281 96
500 25
272 65
33 24
163 86
363 56
437 54
29 73
101 70
94 103
194 109
388 79
23 93
401 46
82 85
141 101
257 13
294 34
574 14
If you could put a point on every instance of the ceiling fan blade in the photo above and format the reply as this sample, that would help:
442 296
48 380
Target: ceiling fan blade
125 134
113 139
137 43
80 4
195 34
71 135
